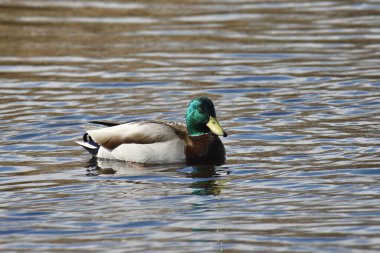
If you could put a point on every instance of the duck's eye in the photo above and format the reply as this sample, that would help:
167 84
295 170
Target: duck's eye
201 110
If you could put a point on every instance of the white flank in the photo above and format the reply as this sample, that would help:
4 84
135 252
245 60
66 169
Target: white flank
161 152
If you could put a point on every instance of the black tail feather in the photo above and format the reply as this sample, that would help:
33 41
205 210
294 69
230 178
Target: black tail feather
89 144
104 123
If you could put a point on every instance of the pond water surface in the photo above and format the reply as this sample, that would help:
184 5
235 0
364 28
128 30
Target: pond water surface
296 84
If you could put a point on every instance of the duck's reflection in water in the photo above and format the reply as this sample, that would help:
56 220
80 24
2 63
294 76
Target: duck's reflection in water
207 179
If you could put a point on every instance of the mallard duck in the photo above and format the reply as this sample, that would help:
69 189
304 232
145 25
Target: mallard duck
159 142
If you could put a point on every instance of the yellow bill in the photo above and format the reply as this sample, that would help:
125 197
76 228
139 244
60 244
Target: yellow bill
215 128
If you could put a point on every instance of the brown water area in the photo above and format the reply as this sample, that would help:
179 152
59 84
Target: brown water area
295 83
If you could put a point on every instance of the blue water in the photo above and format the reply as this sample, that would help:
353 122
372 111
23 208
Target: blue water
296 85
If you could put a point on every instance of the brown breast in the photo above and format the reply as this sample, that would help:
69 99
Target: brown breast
206 148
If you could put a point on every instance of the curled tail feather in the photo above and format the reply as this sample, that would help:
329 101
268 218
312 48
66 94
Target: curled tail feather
89 144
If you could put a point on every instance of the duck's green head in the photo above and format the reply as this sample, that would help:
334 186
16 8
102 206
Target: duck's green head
201 118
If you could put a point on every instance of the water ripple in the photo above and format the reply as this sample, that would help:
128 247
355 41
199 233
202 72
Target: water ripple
295 85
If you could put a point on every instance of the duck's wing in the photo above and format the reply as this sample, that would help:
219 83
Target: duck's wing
179 128
134 132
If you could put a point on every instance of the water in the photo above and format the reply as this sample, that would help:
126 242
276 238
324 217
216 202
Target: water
296 85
